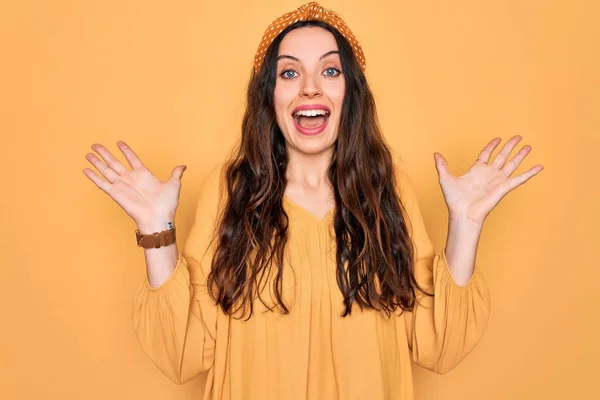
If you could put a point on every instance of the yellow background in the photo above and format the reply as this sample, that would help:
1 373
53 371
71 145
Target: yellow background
169 79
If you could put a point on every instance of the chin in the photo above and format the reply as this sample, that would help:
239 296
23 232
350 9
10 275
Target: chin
312 144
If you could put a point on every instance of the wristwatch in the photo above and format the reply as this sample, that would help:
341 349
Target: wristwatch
156 239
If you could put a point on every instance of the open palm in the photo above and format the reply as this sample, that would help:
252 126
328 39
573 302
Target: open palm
475 194
138 191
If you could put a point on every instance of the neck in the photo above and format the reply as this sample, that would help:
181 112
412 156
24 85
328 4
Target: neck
308 172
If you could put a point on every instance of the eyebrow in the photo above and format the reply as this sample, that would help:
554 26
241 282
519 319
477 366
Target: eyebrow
320 58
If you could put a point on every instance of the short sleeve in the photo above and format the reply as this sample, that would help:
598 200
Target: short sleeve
442 330
176 323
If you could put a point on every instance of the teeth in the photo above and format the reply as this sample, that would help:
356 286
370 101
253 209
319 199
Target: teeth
310 113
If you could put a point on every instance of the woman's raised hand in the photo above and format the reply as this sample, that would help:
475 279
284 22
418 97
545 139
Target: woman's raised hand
475 194
143 197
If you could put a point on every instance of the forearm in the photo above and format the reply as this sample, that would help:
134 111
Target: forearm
160 262
461 248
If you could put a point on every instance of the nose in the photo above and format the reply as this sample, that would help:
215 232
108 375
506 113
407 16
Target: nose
310 87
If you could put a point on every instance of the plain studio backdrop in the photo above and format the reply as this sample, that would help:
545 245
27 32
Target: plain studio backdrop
169 78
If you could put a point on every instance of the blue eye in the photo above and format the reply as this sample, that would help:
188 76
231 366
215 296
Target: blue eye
330 72
285 74
335 70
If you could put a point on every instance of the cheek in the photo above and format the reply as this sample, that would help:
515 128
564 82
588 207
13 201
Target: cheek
341 92
282 102
336 93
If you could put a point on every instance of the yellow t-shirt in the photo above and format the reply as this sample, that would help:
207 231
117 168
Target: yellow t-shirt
311 353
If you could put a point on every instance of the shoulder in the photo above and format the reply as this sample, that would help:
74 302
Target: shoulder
214 179
212 191
405 186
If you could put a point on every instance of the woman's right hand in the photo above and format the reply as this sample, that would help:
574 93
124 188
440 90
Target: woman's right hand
142 196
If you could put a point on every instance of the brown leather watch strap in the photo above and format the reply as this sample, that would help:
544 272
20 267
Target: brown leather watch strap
156 239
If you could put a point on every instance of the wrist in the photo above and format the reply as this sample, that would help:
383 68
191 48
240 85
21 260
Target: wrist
157 224
464 222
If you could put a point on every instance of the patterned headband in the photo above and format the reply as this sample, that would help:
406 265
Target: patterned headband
308 12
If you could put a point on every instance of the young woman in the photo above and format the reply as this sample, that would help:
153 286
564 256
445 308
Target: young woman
308 272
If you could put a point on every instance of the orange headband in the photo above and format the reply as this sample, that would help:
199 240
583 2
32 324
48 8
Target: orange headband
308 12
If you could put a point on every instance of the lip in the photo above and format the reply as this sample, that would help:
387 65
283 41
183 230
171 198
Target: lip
311 107
310 132
314 131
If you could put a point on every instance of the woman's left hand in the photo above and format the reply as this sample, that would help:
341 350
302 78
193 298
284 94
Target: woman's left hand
474 195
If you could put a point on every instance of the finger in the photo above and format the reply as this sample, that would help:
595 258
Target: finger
107 172
109 159
524 177
177 173
441 165
101 183
514 163
486 153
130 155
505 152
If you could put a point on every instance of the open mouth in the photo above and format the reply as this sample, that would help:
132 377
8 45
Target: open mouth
311 119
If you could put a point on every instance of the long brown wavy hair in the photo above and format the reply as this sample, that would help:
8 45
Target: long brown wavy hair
374 255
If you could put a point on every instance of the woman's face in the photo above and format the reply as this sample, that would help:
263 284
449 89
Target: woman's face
309 89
